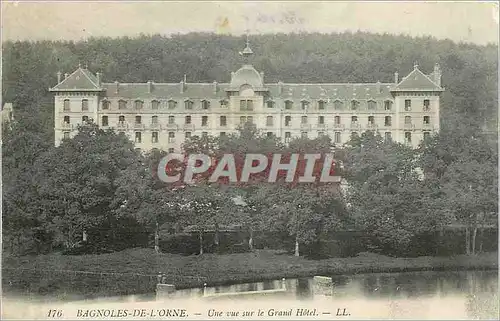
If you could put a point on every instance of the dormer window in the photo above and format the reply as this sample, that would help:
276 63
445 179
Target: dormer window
288 104
106 104
354 105
337 105
155 104
270 104
188 105
321 105
138 104
205 104
223 103
372 105
304 104
122 104
85 104
246 104
387 105
171 104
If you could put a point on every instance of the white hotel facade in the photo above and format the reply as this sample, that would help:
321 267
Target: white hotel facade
164 115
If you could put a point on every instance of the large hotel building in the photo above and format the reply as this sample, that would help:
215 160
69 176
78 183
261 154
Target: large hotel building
163 115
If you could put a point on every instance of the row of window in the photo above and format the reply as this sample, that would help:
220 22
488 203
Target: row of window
245 104
244 119
337 138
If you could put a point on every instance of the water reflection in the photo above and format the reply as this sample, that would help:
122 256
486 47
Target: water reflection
478 289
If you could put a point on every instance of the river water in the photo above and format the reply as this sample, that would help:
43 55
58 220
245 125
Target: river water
409 295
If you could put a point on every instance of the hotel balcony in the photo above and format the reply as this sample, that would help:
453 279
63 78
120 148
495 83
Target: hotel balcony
305 126
188 127
337 126
371 126
65 125
139 126
427 126
121 125
409 126
171 126
155 126
356 126
321 126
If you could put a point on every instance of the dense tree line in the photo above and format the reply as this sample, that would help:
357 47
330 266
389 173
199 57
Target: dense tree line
54 198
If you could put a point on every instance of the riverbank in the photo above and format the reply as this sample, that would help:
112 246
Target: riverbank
135 271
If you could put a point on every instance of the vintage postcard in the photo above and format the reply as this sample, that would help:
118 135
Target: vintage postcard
249 160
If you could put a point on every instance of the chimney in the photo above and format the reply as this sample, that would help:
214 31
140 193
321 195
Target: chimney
280 87
396 77
58 77
150 86
378 86
182 86
66 75
117 87
437 74
98 75
215 87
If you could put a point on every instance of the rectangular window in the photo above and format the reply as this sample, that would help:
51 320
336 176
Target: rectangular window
354 105
303 120
188 105
223 104
321 105
387 105
138 137
321 120
407 120
288 120
372 105
250 119
269 121
187 135
288 104
204 120
303 135
222 134
66 135
337 105
138 120
105 105
269 134
337 120
388 121
270 104
154 120
354 119
154 137
205 104
427 135
305 105
171 119
388 136
288 136
85 105
187 120
121 119
407 104
171 137
172 104
66 120
246 104
223 121
85 119
243 119
155 104
104 121
427 104
371 120
427 120
338 137
408 137
66 105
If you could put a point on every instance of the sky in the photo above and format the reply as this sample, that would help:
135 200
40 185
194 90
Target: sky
475 22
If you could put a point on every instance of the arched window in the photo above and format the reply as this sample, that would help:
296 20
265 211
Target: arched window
155 104
172 104
138 104
205 104
246 91
66 105
106 104
122 104
188 105
372 105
